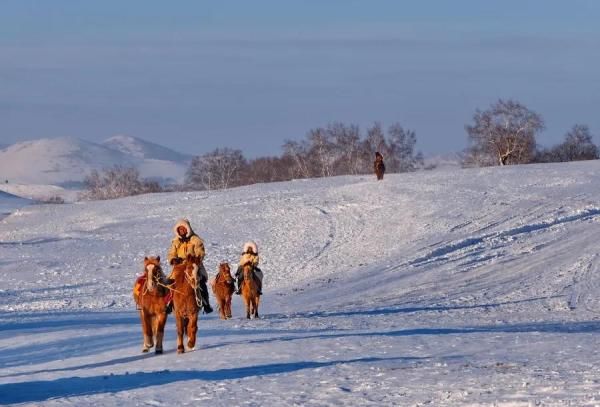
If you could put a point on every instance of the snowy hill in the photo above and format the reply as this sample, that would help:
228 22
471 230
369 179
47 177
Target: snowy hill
466 287
66 161
142 149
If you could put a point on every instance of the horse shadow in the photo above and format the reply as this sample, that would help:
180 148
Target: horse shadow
43 390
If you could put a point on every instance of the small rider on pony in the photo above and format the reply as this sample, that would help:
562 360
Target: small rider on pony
249 255
185 243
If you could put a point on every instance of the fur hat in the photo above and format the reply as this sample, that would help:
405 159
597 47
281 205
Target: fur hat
186 224
252 246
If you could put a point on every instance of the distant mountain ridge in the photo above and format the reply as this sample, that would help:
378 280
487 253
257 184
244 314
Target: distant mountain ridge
65 161
144 149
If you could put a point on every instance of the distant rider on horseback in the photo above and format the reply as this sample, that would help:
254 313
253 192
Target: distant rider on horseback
249 255
187 242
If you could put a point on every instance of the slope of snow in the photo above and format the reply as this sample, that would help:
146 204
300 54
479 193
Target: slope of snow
468 287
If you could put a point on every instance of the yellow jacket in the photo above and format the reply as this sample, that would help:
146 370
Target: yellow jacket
190 244
250 254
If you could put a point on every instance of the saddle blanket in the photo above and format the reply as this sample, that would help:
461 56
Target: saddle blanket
139 286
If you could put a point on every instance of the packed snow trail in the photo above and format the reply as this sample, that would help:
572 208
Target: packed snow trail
445 288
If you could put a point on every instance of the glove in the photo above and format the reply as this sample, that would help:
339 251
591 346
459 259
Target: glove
176 260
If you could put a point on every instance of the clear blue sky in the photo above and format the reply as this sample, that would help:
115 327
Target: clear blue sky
196 75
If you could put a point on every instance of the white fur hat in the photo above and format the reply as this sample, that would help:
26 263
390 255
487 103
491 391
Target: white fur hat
186 224
250 245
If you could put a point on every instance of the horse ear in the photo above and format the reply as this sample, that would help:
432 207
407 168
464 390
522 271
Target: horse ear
157 258
145 258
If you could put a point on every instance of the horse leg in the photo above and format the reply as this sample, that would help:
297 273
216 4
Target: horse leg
222 308
143 321
256 302
192 329
180 328
228 306
148 342
161 320
248 307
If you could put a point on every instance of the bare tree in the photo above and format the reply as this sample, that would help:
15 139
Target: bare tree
578 145
268 169
116 182
219 169
505 133
298 153
402 144
322 152
347 146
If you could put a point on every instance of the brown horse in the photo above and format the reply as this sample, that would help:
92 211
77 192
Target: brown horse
223 289
185 303
250 291
149 294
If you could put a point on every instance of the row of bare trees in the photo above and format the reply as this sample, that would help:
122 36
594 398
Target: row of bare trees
506 134
116 182
337 149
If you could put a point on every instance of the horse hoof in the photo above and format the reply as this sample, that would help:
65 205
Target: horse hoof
145 350
158 352
192 349
180 350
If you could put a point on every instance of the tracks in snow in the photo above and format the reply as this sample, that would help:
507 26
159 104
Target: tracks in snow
491 242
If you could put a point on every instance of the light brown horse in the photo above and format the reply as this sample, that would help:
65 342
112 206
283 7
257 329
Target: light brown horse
185 303
149 294
250 291
223 289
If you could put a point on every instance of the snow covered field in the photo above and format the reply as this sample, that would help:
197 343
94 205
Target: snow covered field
466 287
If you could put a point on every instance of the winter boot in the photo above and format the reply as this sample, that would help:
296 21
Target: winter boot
240 280
203 294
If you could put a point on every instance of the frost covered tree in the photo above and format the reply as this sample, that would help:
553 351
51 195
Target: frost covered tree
401 146
116 182
219 169
578 146
298 154
504 134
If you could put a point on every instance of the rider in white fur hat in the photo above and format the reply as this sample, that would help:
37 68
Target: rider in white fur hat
249 255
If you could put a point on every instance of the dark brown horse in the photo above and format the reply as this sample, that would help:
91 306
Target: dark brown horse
250 291
379 166
223 289
185 302
149 294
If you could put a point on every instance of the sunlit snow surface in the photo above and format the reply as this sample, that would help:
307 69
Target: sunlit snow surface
445 288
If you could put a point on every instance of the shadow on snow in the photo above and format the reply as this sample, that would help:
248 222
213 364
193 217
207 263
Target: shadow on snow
38 391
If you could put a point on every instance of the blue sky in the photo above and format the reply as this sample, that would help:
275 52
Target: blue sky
196 75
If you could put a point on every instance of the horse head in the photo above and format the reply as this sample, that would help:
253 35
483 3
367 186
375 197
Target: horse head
225 272
153 272
248 269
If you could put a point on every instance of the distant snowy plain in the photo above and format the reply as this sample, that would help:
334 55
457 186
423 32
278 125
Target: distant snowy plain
444 288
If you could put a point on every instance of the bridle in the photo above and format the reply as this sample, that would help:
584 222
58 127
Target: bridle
154 277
